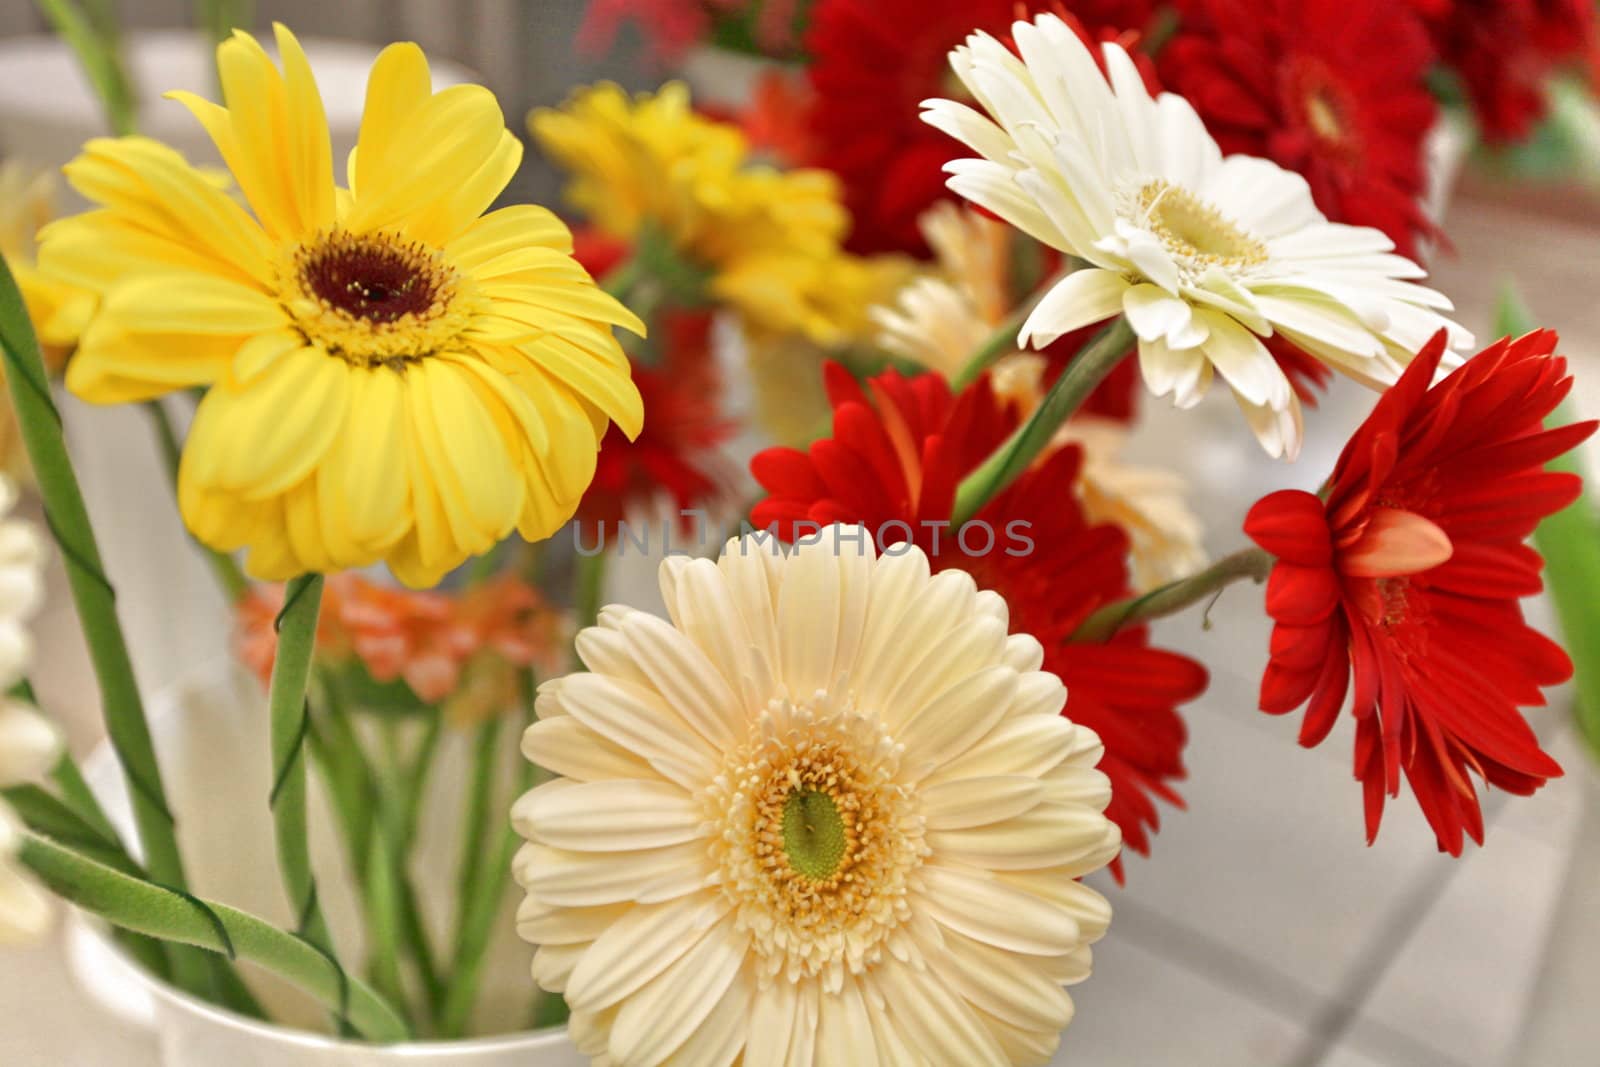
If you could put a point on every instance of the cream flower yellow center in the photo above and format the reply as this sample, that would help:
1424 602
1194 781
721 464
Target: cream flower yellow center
817 840
1195 232
373 297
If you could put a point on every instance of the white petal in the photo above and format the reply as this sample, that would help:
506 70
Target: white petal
638 947
666 1012
989 910
1081 298
611 816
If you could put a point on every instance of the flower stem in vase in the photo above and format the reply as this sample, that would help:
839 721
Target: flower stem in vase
95 599
290 717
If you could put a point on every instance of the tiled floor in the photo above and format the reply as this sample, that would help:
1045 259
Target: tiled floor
1263 931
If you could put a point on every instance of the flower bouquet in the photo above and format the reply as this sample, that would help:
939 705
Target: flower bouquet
837 806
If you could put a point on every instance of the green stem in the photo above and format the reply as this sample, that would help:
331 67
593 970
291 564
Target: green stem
156 911
1001 341
382 901
590 588
1098 358
1169 599
223 566
475 827
621 279
92 594
93 38
288 714
483 905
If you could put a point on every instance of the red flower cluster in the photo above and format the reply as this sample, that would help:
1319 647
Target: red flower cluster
899 449
873 63
1404 583
676 453
1503 50
1333 89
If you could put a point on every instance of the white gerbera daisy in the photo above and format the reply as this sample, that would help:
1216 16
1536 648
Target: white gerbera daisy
1205 255
830 814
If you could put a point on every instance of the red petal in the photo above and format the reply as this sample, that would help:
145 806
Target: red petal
1292 525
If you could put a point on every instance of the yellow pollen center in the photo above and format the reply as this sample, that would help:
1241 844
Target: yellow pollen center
373 298
1194 231
1323 118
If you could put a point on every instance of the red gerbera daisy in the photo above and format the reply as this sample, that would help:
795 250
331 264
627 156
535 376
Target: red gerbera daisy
1333 89
1407 580
676 454
900 447
1504 50
874 62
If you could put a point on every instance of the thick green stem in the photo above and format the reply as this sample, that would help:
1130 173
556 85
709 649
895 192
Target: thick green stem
223 566
156 911
288 714
1098 358
92 593
1169 599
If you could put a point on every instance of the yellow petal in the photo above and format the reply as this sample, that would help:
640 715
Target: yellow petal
507 230
273 431
179 218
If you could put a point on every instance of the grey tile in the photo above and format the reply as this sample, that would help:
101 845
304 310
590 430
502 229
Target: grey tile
1460 983
1140 1008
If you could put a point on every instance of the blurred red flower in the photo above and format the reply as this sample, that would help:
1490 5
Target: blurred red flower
1332 89
1504 50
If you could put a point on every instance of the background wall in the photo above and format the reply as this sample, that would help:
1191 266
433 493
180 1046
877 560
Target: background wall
522 49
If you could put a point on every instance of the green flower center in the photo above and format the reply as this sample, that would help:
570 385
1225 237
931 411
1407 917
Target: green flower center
814 837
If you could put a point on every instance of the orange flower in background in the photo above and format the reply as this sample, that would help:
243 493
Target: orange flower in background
430 641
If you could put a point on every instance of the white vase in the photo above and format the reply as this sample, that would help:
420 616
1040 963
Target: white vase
211 736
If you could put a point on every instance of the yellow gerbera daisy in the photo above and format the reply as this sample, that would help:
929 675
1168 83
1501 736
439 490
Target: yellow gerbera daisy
394 374
771 239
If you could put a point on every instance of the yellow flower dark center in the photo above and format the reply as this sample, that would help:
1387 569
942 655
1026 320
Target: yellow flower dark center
814 836
371 277
373 297
1194 231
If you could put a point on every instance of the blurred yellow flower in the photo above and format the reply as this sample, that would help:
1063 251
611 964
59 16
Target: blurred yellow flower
58 310
649 165
393 374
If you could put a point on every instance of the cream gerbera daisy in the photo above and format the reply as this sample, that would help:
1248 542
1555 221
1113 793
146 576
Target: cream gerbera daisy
830 814
1205 255
393 374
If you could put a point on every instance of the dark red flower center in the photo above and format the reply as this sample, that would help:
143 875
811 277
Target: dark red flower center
371 277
